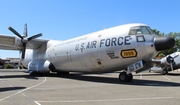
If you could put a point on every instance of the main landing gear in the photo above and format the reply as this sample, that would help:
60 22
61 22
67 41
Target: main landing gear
33 73
165 71
124 77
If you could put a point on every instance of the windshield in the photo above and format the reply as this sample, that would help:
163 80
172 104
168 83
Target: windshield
138 30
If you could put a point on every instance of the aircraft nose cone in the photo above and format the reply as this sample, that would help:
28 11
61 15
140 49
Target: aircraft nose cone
164 43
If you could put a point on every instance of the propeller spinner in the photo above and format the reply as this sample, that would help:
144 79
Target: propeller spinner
24 38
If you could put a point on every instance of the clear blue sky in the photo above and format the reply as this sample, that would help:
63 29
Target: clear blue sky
64 19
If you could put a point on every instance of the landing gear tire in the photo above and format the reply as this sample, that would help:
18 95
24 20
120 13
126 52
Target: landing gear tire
33 73
165 71
130 77
123 77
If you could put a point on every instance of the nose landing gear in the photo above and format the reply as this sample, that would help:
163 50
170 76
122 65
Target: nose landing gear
124 77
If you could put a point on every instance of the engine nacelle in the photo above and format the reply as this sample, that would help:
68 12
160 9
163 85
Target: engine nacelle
40 66
167 60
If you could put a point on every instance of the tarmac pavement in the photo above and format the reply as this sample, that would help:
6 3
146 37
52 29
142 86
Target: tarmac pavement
18 88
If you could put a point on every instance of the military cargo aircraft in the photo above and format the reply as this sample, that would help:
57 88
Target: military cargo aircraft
169 63
108 50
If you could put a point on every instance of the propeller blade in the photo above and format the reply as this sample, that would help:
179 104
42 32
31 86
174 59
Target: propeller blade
170 60
25 30
23 51
24 40
15 32
35 36
172 66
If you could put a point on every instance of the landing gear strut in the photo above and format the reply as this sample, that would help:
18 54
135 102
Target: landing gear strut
123 77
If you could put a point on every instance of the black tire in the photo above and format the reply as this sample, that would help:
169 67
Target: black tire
165 71
62 73
123 77
130 77
33 73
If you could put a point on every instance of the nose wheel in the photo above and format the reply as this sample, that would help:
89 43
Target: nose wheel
123 77
165 71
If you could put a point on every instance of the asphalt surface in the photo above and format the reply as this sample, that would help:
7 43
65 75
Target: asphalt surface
18 88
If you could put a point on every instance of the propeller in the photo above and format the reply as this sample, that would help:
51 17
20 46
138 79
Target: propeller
170 60
24 38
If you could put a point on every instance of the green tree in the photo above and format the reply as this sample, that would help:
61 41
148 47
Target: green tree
174 35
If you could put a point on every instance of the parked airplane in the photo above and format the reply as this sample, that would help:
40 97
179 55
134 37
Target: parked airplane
2 61
168 63
108 50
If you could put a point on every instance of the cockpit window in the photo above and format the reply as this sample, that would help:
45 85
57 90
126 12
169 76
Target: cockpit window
145 30
138 30
150 30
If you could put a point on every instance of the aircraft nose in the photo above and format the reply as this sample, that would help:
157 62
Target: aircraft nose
164 43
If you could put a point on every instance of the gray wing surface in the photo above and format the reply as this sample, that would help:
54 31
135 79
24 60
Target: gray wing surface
10 42
157 63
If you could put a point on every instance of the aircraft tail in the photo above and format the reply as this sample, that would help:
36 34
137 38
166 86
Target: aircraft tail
25 30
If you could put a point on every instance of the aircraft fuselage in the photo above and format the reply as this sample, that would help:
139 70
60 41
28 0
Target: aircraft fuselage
103 51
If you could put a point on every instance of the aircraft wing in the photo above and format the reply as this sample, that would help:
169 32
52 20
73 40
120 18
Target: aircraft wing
157 63
8 42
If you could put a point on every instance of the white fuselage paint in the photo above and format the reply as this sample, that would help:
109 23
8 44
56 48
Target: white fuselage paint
95 52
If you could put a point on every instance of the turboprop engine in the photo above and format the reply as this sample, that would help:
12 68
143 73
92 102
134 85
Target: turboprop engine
40 66
168 61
